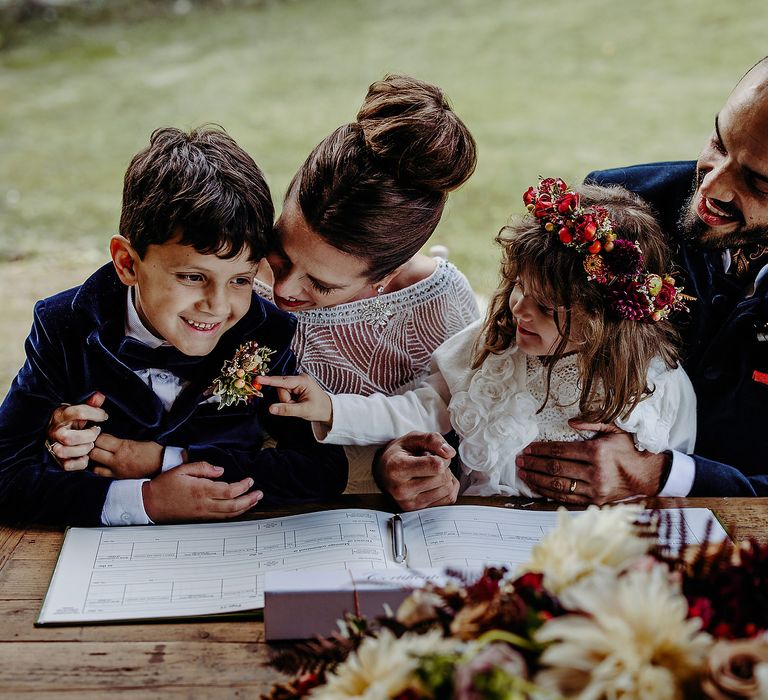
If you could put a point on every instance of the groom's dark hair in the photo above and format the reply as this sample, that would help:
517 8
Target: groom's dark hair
199 185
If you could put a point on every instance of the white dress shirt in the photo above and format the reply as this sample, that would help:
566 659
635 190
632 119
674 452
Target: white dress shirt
124 504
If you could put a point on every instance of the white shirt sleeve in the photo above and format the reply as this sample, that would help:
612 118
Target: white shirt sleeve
124 504
376 419
681 475
172 457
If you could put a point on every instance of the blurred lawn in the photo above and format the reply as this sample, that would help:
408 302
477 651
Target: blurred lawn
560 87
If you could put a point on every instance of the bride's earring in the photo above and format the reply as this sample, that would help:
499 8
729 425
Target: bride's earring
377 311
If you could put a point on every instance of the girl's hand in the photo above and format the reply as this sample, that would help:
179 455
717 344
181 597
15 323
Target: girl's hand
301 397
69 440
126 459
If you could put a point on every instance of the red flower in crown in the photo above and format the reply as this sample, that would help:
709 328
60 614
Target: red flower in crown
626 258
569 202
529 196
613 263
666 296
627 300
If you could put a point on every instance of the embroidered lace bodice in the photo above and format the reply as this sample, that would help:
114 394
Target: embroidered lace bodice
383 344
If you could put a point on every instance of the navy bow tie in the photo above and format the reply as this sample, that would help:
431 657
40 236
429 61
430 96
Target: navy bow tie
137 355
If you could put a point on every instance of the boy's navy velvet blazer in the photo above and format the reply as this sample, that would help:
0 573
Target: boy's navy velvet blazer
725 343
71 352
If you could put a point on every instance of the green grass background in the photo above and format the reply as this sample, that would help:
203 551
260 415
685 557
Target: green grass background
557 87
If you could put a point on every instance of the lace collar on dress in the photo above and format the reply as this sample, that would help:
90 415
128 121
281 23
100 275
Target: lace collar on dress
360 311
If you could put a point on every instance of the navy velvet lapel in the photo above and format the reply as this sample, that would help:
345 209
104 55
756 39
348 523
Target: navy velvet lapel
102 300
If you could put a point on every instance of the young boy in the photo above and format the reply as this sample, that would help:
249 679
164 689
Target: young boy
151 332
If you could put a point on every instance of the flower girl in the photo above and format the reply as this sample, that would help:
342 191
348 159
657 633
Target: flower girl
578 328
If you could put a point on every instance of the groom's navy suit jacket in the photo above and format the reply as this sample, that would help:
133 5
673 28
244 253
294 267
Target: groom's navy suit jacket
725 343
72 351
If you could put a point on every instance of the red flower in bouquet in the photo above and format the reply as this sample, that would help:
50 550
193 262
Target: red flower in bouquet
730 588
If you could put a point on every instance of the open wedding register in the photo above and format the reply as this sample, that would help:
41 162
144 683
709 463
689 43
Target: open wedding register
108 574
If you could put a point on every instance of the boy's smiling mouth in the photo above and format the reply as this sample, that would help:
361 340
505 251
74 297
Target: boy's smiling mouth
199 326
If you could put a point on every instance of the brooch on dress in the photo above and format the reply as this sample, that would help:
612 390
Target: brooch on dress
376 311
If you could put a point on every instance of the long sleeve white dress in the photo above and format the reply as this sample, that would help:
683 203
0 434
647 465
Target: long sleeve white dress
493 409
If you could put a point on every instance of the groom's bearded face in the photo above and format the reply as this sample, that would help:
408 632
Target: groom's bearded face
729 204
706 237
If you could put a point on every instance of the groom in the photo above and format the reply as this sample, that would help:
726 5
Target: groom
716 212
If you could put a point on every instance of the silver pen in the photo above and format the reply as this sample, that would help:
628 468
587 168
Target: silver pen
398 539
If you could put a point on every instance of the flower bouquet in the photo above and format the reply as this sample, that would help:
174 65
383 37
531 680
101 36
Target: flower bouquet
601 610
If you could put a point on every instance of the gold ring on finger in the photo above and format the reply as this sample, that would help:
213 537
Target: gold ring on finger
49 446
573 486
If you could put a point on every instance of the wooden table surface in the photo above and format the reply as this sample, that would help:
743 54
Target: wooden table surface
210 659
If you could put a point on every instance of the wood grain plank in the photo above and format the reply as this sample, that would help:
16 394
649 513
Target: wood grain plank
25 579
90 666
40 545
208 692
9 540
18 618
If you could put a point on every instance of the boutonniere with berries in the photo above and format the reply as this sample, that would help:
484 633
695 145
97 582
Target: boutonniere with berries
239 378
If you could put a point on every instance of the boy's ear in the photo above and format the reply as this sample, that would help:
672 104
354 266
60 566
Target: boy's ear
124 258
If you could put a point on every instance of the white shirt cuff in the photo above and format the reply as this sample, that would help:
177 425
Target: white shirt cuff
172 457
124 504
681 475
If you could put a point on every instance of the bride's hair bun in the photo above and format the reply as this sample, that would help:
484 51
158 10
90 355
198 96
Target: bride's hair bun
411 130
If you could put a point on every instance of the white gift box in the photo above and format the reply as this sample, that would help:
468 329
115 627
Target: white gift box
308 602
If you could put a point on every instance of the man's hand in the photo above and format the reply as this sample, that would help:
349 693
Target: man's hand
70 441
126 459
604 469
415 471
300 396
187 493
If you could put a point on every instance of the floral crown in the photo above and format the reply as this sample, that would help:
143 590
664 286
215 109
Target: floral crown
614 263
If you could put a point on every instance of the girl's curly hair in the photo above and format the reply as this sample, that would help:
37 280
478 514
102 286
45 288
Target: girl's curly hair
613 354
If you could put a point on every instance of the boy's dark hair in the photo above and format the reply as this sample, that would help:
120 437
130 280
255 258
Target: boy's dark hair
200 185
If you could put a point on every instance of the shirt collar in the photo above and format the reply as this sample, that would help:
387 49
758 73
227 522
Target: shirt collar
134 328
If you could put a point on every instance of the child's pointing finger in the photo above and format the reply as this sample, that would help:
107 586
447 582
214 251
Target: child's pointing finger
300 396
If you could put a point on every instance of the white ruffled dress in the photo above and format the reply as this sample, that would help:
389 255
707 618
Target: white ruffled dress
493 409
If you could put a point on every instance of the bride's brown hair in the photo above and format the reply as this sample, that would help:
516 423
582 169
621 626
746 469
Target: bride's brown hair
613 354
376 188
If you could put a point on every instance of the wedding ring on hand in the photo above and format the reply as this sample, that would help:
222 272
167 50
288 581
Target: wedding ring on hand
49 446
573 486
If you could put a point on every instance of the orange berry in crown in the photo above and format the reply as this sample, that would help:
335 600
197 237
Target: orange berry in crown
595 248
565 235
589 231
